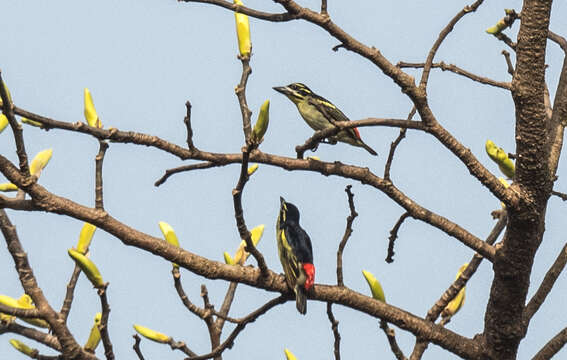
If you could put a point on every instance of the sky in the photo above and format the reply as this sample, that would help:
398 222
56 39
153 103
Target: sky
142 60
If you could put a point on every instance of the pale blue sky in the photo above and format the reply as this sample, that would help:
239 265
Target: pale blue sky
143 59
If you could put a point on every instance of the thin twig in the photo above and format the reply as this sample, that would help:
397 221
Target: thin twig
336 333
320 135
459 71
558 39
391 336
8 110
103 326
324 7
504 38
36 335
457 285
225 307
561 195
187 121
346 236
19 312
239 213
99 203
184 298
240 91
283 17
136 347
17 204
229 342
442 35
546 285
394 236
509 64
181 346
184 168
69 294
394 145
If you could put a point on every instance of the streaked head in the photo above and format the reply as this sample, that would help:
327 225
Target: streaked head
295 92
288 212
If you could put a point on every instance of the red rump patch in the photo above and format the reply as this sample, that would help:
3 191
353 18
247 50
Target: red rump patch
356 133
310 272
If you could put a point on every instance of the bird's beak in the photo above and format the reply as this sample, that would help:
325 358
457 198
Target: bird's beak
282 200
281 89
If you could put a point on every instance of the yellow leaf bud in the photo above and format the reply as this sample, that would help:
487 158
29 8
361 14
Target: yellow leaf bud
262 123
90 112
289 355
375 286
151 334
23 348
169 236
40 161
94 336
88 267
242 32
5 187
85 237
3 122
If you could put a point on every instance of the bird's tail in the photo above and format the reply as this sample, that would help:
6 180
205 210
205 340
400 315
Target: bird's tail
300 299
368 148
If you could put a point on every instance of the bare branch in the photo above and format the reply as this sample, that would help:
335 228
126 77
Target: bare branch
336 333
239 213
52 203
36 335
19 312
346 236
8 110
240 91
457 285
229 342
324 7
391 336
99 203
442 35
69 294
16 204
394 146
546 285
103 326
70 347
508 62
184 298
136 347
394 236
187 121
247 11
184 168
553 346
560 195
459 71
320 135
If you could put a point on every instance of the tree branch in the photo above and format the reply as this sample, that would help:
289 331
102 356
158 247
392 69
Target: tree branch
346 236
442 35
457 70
336 333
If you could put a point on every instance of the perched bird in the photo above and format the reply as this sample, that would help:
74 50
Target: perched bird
296 254
307 102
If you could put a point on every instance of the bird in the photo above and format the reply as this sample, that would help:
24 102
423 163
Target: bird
307 103
296 253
